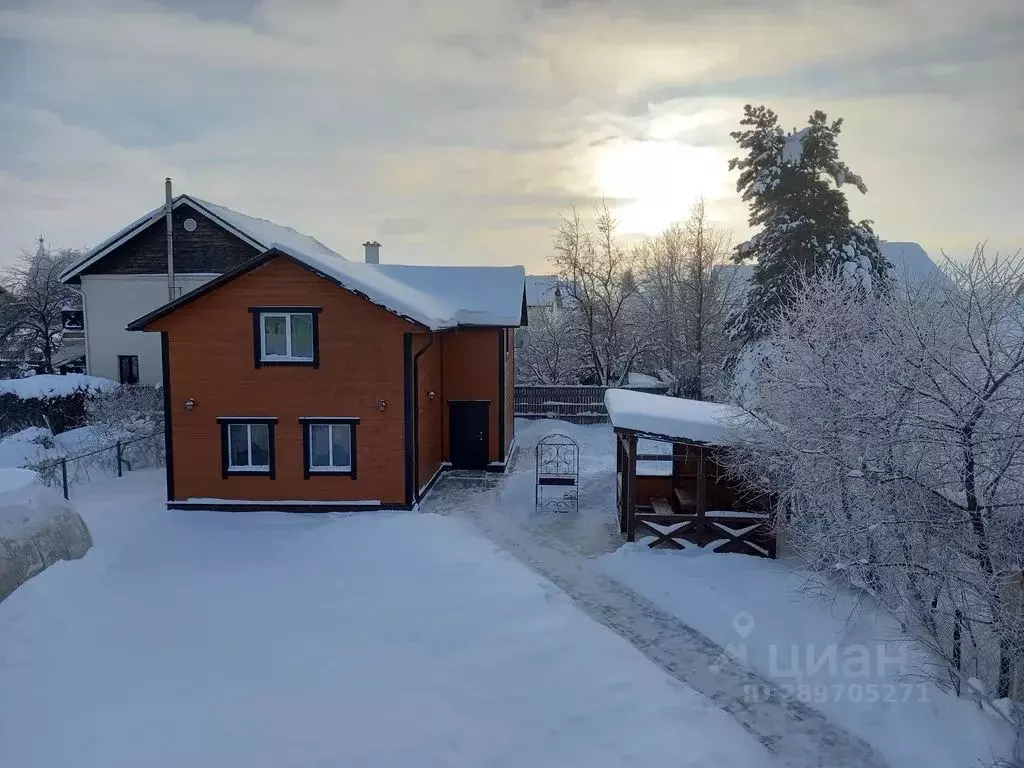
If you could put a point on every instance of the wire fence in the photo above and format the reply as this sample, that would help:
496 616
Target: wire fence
118 457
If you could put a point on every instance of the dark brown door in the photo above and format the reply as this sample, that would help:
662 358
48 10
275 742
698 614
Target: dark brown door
469 425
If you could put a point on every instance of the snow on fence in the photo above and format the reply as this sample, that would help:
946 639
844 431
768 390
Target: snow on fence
131 452
575 403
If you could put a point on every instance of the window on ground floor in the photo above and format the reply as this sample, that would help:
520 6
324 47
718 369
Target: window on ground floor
248 446
128 369
330 445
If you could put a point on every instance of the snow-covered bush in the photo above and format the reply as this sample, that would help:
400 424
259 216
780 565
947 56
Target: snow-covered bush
893 434
127 410
56 402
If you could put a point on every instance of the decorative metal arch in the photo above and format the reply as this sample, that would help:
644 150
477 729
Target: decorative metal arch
557 486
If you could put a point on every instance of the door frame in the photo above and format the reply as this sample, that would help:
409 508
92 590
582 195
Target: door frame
451 441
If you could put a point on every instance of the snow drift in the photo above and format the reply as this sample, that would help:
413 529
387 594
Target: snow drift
37 528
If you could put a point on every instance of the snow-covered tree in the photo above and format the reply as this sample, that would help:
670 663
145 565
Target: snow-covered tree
600 297
892 432
547 352
31 323
793 185
687 296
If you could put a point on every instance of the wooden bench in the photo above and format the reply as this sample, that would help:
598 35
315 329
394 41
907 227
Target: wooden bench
662 507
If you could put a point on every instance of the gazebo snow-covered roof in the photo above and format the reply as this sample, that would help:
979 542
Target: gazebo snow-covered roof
672 418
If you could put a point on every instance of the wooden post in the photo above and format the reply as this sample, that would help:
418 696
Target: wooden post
620 484
631 489
700 524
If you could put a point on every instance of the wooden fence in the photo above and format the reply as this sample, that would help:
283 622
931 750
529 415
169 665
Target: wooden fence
576 403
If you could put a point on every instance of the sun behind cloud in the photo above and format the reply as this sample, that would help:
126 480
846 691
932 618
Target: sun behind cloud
657 181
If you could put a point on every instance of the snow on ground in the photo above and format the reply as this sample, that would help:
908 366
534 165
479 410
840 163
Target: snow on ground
761 610
17 486
46 385
707 592
269 639
24 447
35 445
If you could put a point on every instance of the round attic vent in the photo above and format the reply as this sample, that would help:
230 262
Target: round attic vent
190 225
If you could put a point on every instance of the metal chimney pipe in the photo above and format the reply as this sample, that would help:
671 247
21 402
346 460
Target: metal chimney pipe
372 251
169 216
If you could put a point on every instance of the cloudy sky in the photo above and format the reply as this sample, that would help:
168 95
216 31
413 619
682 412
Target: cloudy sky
457 131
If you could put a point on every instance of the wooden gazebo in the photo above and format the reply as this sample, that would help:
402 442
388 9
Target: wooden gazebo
695 503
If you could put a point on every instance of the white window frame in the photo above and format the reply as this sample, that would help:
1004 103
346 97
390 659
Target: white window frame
288 357
250 467
330 468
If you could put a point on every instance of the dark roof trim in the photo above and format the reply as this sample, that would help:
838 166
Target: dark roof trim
665 438
243 268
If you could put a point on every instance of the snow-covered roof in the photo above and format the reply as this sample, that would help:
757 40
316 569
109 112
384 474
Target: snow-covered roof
540 289
476 295
672 417
259 233
436 297
911 265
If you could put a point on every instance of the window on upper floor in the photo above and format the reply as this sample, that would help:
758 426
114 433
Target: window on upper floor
286 335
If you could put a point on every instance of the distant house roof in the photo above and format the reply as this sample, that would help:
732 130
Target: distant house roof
911 265
435 297
259 233
540 290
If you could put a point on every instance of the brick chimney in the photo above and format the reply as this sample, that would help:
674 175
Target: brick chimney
372 248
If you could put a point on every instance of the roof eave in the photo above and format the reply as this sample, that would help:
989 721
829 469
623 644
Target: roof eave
139 324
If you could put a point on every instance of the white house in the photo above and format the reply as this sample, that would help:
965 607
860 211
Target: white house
126 276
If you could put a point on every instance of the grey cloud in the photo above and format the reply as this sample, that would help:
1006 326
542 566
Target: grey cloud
419 120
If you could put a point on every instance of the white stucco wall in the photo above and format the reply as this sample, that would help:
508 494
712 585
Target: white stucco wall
113 301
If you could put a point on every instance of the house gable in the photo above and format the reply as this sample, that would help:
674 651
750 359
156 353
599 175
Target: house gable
210 248
210 362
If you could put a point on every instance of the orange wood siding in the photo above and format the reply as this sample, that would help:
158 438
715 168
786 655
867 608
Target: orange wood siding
361 363
470 372
429 418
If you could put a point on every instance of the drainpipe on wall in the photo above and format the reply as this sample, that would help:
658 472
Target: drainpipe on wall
416 416
169 214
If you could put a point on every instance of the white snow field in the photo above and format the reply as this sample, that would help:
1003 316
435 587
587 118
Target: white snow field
844 658
683 608
369 639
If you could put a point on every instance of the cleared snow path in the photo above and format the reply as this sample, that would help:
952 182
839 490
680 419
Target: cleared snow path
560 547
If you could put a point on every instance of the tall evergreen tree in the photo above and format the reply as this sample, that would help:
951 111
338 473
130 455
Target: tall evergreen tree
793 184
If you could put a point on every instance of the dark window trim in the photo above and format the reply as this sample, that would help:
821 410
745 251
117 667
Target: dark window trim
226 471
257 336
309 421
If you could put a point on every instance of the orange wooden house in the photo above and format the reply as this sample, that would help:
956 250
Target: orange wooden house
301 380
